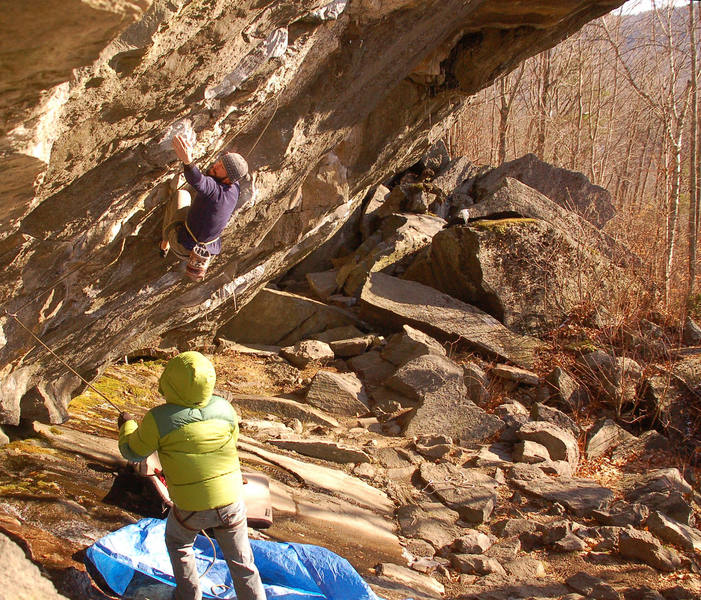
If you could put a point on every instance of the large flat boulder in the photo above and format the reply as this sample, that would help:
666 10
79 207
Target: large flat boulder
392 302
20 577
323 449
581 496
252 403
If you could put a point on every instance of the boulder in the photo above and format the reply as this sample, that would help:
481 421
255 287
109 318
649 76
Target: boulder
514 414
569 189
643 546
581 496
434 523
542 412
664 398
515 374
282 407
338 394
518 270
308 351
436 384
525 568
476 564
471 493
648 442
472 542
622 514
401 236
617 376
477 383
515 528
691 333
659 480
561 444
530 452
338 333
408 344
505 550
277 318
592 587
605 435
322 284
394 302
433 446
371 367
425 584
351 347
673 532
563 390
323 449
669 397
456 179
494 455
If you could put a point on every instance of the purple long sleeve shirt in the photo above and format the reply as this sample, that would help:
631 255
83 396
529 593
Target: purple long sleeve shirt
210 210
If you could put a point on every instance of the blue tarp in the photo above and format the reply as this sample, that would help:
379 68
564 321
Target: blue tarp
289 571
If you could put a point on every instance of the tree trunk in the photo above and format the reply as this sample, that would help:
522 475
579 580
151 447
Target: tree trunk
544 91
693 155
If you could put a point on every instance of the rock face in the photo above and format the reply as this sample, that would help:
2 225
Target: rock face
22 576
316 101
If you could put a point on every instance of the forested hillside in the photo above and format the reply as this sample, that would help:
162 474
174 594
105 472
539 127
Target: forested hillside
618 102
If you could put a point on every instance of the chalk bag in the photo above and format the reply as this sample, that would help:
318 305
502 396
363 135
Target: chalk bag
198 262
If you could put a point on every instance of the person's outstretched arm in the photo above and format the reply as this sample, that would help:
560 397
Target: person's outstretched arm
137 442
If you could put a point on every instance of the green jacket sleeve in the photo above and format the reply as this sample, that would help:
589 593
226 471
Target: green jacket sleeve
137 442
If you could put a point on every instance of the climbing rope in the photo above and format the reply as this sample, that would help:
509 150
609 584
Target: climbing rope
270 120
63 362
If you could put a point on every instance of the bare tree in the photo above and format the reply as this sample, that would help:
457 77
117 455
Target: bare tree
693 153
508 88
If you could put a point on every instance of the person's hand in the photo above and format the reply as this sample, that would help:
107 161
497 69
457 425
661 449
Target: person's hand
124 417
182 148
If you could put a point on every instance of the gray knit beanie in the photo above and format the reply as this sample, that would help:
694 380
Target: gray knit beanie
235 165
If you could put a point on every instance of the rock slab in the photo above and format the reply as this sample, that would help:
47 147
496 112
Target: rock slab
394 302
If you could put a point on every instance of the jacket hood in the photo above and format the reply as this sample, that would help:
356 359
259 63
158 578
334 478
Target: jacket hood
188 380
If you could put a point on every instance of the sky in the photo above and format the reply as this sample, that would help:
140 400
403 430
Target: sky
636 6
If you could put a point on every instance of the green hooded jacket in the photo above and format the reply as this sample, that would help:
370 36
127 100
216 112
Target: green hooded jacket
195 434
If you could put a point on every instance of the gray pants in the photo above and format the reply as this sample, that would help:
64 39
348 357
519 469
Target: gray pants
231 531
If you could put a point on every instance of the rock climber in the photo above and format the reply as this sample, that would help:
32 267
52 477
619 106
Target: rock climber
188 222
195 434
